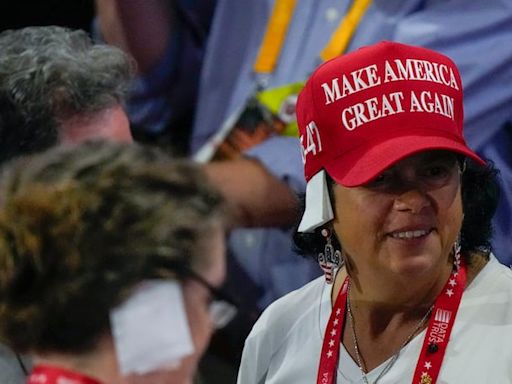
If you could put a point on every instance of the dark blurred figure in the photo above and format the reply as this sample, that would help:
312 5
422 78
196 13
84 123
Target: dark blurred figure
75 14
57 86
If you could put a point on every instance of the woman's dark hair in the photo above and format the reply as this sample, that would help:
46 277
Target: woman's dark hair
480 195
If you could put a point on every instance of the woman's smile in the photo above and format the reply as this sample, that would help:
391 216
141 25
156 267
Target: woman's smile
410 234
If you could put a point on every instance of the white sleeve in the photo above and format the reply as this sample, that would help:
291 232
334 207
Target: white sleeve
255 358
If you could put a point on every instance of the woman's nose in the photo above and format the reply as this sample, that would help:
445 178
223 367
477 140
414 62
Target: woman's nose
413 199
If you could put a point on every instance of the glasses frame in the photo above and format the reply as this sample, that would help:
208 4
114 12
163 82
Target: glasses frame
223 308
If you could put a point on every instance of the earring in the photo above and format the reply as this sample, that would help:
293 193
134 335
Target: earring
330 260
456 254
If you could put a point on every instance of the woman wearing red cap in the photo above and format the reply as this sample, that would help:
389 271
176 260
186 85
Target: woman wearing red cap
398 213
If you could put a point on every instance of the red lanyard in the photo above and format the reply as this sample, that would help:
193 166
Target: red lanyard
332 339
46 374
434 346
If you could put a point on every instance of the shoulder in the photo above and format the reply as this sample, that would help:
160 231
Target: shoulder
492 285
483 326
495 273
283 314
280 327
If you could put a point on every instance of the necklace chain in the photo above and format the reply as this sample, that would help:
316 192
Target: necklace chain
394 358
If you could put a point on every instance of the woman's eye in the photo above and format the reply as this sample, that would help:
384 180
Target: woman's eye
437 175
437 171
384 179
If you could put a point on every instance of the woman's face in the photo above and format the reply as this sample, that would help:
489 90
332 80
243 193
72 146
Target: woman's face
406 220
197 298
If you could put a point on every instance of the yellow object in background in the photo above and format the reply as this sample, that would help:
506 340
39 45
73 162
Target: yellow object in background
281 102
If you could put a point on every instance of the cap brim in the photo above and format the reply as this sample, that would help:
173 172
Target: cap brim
363 164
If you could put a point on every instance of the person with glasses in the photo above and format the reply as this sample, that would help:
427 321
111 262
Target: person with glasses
398 214
111 261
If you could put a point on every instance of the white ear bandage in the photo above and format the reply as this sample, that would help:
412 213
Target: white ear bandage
150 329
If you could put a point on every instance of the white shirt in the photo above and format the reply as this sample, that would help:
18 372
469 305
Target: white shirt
285 344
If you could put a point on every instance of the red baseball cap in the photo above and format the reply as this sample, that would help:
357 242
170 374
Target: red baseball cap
362 112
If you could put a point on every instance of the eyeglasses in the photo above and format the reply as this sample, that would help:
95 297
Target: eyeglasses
223 307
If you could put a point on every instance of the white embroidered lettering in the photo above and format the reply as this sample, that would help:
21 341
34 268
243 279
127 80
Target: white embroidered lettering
313 142
332 93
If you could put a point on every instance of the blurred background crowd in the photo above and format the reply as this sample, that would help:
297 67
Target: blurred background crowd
216 82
